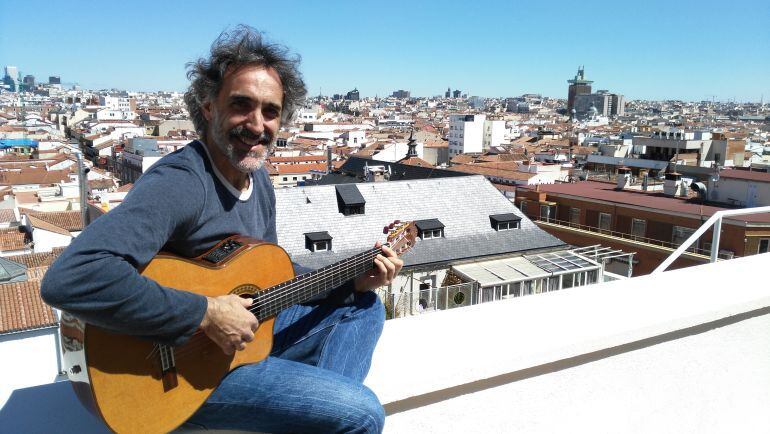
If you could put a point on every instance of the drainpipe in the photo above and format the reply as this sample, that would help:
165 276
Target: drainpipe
82 179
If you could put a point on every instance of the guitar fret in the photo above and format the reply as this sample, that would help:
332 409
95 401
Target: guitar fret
303 287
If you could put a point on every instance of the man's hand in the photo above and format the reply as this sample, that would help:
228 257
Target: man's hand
386 267
228 323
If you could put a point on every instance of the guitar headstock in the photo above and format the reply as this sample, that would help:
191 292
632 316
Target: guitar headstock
401 235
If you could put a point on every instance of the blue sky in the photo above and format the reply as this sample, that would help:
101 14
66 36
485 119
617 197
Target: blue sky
653 49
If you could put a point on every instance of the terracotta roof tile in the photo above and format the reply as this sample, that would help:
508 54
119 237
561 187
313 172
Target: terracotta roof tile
21 308
12 241
36 260
68 220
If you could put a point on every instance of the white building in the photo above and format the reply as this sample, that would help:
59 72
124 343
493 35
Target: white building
494 133
116 103
466 134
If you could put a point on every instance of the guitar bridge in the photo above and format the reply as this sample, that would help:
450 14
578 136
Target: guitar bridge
168 367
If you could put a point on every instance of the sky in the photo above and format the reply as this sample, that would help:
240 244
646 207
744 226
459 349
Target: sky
653 50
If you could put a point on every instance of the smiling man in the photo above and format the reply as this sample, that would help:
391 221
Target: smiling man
199 195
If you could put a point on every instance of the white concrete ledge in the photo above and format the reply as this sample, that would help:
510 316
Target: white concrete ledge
429 360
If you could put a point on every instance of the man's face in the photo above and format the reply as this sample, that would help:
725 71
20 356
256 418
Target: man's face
245 116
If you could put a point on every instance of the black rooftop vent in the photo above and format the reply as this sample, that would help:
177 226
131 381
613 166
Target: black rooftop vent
430 228
504 221
318 241
349 199
429 224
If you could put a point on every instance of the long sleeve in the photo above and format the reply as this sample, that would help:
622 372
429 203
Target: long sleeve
96 277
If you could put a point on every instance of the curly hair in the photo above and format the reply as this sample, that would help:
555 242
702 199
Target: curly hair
242 46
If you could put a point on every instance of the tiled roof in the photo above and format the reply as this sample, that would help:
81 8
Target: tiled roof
21 308
286 169
468 231
33 260
759 176
68 220
415 161
40 224
7 216
12 240
125 187
36 176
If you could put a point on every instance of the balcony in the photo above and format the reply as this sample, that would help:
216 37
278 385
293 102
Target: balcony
682 351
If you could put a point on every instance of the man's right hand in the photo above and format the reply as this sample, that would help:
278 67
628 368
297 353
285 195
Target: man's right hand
228 323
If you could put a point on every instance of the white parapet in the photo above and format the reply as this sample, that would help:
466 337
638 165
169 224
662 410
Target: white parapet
682 351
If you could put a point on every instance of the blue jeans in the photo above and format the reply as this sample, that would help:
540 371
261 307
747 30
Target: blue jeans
312 380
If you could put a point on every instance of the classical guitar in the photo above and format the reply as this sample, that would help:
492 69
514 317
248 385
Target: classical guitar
137 386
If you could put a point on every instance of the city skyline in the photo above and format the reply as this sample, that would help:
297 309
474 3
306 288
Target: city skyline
654 51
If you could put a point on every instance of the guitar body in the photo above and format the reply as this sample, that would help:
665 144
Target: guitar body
122 378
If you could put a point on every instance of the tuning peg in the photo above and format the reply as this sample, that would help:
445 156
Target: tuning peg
390 226
397 221
385 230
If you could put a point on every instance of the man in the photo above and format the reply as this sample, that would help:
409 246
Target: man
186 203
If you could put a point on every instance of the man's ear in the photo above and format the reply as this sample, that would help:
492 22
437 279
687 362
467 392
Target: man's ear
206 109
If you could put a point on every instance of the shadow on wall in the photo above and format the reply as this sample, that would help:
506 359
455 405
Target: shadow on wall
48 408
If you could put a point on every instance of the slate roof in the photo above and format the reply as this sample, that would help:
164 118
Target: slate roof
355 166
462 204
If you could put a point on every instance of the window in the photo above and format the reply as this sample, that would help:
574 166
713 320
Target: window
432 233
574 216
764 245
320 246
638 228
285 178
293 178
605 222
523 206
547 212
680 234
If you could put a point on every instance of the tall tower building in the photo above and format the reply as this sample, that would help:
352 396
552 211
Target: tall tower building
577 86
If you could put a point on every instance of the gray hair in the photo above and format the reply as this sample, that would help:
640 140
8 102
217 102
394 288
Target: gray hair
241 47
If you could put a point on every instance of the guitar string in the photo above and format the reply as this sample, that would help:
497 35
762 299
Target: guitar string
288 292
361 259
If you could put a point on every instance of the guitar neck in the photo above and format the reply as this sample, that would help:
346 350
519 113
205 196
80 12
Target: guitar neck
269 302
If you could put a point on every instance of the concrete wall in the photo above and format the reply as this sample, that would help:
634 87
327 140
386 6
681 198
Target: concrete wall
684 351
29 359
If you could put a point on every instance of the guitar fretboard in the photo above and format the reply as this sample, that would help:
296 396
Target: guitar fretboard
270 301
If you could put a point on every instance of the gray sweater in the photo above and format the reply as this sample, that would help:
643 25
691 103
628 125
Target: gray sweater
179 205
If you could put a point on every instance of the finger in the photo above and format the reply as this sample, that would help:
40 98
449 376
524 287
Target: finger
242 346
246 302
382 271
389 268
254 325
248 337
389 252
377 244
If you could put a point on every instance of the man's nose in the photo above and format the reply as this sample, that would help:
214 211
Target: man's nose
255 122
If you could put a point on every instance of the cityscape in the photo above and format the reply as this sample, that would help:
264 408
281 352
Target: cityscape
529 209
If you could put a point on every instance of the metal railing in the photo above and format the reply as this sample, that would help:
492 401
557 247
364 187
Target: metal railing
624 235
716 221
404 304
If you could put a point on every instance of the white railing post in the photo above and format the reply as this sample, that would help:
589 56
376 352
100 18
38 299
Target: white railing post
715 240
715 236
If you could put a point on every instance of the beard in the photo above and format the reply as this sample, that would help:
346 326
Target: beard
245 162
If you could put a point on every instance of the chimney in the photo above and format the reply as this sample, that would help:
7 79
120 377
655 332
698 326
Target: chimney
623 178
328 159
672 186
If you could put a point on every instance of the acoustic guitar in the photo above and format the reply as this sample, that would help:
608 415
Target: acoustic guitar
138 386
